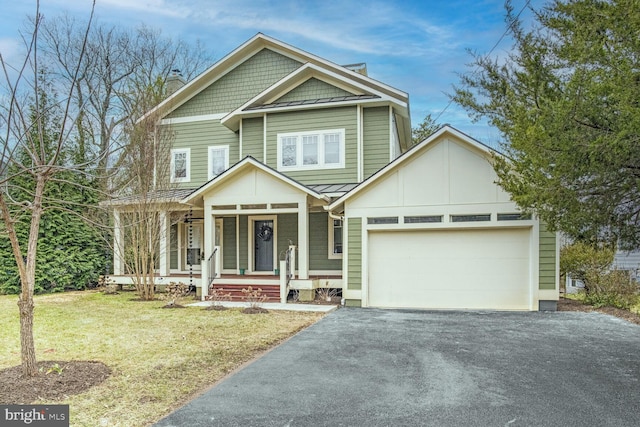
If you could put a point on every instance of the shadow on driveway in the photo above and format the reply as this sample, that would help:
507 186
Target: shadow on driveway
370 367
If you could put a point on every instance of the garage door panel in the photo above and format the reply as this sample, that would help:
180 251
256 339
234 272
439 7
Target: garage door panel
452 269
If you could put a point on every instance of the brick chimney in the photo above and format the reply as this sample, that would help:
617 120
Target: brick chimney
174 81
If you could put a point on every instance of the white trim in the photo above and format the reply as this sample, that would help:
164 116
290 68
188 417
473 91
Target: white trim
359 142
187 177
304 73
210 150
391 131
242 165
321 164
247 49
264 140
240 136
192 119
488 152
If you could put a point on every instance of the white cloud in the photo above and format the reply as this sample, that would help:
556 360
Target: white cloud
156 7
377 29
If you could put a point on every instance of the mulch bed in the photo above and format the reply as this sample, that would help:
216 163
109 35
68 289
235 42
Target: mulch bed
566 304
74 378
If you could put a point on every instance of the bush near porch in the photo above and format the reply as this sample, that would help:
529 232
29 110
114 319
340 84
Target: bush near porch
158 358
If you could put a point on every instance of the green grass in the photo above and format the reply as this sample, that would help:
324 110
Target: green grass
159 358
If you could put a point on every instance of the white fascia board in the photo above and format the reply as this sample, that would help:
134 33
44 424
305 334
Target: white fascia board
299 76
287 49
207 77
192 119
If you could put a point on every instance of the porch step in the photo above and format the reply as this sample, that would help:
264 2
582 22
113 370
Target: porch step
271 291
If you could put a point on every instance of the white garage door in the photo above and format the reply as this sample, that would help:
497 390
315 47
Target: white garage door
450 269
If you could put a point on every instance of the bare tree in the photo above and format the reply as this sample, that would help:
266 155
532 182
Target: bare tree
120 67
23 125
147 197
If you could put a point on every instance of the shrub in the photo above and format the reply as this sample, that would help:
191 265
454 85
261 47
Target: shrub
254 299
614 288
326 294
585 262
216 296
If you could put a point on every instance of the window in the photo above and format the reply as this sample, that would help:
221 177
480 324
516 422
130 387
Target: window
335 238
513 217
422 219
311 150
218 160
181 165
471 218
382 220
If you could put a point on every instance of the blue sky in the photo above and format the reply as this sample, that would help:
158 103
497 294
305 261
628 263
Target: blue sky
417 46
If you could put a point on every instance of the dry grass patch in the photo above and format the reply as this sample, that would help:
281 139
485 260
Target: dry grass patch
158 358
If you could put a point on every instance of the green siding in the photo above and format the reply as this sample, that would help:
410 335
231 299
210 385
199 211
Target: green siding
244 255
375 139
313 89
198 136
253 138
547 258
354 253
239 85
309 120
319 244
287 232
229 249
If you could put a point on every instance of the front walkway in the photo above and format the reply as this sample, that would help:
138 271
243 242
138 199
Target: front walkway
320 308
371 367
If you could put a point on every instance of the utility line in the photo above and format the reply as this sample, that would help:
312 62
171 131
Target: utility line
504 34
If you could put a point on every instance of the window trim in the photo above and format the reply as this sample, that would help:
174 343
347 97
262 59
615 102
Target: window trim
187 177
331 246
300 166
210 150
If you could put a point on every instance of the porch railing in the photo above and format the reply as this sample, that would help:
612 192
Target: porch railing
211 267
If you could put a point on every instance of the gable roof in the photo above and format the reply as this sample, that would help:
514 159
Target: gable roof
244 164
363 92
248 49
408 155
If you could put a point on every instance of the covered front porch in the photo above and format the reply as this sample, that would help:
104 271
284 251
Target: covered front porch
249 226
258 223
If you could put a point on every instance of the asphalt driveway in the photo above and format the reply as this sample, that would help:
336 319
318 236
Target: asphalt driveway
369 367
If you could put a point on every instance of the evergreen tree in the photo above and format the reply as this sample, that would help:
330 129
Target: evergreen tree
566 100
70 252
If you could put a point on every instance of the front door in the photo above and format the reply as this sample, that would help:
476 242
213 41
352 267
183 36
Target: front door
263 238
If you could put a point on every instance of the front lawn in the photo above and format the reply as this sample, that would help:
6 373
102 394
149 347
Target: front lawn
159 358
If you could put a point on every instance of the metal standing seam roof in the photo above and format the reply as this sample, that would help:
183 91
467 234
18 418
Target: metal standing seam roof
312 102
179 194
172 195
332 188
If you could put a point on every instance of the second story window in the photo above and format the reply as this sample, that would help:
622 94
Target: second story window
181 165
218 160
311 150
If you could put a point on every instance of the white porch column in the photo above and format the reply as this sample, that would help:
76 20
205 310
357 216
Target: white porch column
303 239
118 245
209 240
165 232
